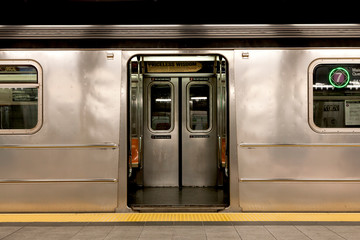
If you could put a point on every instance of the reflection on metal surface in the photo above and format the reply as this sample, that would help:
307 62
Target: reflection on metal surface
283 164
71 163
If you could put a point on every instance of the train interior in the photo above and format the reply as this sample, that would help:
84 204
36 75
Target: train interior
178 133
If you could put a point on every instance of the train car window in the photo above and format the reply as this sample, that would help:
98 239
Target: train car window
19 99
336 97
160 107
199 107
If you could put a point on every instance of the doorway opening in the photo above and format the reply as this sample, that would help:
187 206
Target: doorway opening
178 133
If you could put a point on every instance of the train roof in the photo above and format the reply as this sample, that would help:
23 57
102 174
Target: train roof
186 19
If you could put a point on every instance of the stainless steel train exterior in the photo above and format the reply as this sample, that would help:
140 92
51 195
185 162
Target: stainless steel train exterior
75 158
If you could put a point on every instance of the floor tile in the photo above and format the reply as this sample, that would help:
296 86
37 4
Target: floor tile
254 233
7 230
189 231
319 233
93 233
189 238
124 232
286 232
347 232
157 232
160 232
221 232
180 232
60 233
31 233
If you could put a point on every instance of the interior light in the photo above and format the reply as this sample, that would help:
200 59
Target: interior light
162 100
199 98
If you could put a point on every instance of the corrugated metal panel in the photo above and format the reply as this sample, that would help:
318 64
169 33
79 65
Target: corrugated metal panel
178 31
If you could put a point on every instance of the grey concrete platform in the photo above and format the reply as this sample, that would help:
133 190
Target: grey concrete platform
180 230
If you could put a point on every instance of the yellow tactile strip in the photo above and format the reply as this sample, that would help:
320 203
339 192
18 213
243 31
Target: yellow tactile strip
182 217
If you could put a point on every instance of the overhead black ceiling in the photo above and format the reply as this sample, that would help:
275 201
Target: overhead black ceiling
24 12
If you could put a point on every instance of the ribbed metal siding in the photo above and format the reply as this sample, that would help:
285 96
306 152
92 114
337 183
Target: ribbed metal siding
178 31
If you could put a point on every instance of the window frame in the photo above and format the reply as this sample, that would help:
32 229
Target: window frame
311 69
172 106
188 106
38 85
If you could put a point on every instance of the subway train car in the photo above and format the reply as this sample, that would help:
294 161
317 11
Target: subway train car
122 118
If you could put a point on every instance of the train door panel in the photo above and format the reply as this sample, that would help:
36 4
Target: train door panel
179 153
136 125
161 138
199 166
222 126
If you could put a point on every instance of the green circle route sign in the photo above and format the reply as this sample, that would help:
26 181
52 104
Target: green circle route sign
339 77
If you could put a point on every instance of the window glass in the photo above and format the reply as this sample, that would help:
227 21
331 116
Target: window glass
161 104
18 101
17 74
199 106
336 96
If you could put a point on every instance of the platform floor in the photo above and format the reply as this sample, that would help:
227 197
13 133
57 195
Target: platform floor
179 231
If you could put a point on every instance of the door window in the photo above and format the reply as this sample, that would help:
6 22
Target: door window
199 107
160 107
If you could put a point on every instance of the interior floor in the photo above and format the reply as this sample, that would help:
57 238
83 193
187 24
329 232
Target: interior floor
186 197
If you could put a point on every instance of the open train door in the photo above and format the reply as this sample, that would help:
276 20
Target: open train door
135 156
222 123
179 133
